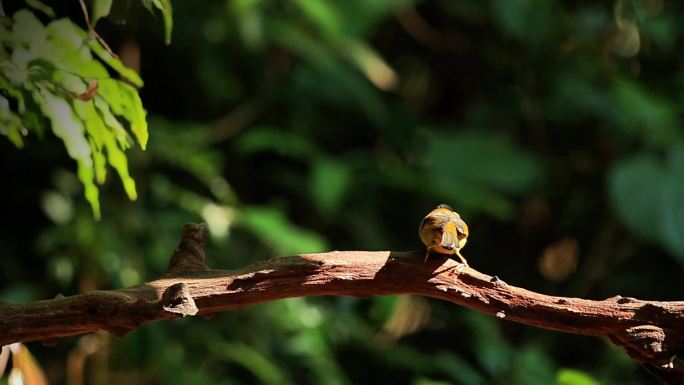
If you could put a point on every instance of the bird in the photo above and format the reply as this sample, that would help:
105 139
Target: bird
444 231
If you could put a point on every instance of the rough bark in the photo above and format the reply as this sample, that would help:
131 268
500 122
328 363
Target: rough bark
651 332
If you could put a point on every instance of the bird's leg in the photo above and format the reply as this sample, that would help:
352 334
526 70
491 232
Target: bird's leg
458 252
427 253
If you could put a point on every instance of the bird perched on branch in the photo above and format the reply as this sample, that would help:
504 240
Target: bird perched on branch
444 231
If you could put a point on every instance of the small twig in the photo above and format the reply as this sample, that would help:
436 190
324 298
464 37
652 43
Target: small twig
85 13
93 33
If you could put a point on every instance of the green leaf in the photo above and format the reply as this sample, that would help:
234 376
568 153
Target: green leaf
479 169
276 140
42 7
648 196
673 204
265 371
112 123
85 175
105 139
27 29
329 181
635 192
49 66
65 124
135 113
100 165
101 9
324 15
647 116
68 52
10 124
275 229
574 377
124 101
427 381
489 160
343 83
491 349
458 368
14 93
532 366
164 6
115 63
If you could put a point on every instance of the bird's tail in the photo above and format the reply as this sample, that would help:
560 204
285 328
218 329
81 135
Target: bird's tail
449 237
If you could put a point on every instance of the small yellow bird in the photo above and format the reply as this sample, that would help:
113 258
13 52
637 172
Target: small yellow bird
444 231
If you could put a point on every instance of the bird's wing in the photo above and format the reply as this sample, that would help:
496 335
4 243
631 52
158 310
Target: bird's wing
436 220
461 227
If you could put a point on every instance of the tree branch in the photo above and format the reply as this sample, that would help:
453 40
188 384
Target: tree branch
651 332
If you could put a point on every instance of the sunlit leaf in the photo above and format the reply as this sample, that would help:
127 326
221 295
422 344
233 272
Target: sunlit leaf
112 123
86 176
42 7
104 139
68 52
115 63
14 93
27 29
529 21
135 113
574 377
73 91
373 66
10 123
68 127
65 124
125 102
101 9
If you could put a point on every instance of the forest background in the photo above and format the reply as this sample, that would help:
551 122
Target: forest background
554 128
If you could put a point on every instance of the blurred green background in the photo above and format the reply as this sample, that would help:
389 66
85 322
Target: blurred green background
554 128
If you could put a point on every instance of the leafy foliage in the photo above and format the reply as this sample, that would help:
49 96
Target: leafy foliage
649 197
164 6
52 67
574 377
554 128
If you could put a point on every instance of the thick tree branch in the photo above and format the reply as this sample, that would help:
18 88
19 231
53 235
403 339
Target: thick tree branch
651 332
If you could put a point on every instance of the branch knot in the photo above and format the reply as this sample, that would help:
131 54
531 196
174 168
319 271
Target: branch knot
189 256
177 299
